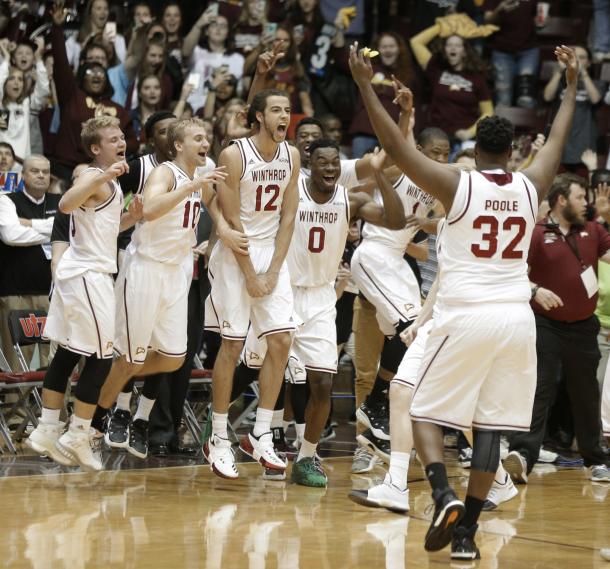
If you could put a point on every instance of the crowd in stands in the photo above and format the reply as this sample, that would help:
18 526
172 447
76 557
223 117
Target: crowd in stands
463 59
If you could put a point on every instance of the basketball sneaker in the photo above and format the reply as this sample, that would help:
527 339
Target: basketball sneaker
516 465
465 457
97 445
500 493
271 473
547 456
308 472
384 495
599 473
75 445
219 454
448 511
375 417
605 553
380 447
463 545
42 441
261 449
282 445
117 431
364 461
138 438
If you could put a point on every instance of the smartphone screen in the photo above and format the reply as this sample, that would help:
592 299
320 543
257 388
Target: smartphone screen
193 79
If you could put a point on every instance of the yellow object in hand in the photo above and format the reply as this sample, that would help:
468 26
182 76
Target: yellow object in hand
367 52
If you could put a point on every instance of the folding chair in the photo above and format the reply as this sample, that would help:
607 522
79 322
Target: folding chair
26 327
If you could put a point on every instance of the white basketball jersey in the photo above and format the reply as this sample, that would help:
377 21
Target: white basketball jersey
171 237
484 241
148 163
262 189
318 241
414 201
93 236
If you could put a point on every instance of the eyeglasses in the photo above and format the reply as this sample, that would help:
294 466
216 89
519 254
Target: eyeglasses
95 73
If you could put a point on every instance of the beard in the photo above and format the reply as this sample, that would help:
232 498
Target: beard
572 216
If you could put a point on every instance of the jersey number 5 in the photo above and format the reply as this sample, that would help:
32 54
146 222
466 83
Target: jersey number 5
191 217
272 189
491 236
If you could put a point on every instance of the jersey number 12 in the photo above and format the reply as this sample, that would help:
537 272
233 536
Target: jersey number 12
272 189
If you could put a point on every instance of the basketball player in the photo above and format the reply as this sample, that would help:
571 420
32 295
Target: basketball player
156 128
260 198
479 367
152 286
385 278
81 315
321 228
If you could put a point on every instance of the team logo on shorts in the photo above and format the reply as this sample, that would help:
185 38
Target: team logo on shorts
225 324
410 310
140 350
253 356
109 346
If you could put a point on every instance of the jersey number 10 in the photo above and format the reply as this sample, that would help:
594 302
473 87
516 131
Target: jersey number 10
191 217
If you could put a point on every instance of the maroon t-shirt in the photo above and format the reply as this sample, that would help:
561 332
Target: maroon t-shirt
382 83
555 266
517 28
454 103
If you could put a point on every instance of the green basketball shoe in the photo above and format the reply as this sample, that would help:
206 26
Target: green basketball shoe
308 472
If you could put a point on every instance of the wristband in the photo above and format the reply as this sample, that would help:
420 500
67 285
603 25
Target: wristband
534 291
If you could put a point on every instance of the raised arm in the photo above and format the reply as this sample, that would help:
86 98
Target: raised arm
542 171
63 75
89 187
265 63
419 45
290 203
192 38
41 87
432 177
159 198
391 214
136 51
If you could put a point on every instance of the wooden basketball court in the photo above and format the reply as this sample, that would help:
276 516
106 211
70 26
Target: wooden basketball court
174 513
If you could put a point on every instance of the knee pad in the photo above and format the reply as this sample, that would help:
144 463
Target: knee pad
485 450
91 379
60 370
392 353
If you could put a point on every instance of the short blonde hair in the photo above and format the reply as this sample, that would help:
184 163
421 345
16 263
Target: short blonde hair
176 131
90 133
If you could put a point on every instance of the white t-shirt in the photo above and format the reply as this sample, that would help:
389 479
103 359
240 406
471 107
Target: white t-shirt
204 62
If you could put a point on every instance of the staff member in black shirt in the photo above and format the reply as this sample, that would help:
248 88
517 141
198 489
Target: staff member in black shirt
26 221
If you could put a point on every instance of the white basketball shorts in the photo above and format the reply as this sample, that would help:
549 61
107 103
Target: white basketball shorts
479 368
151 308
81 314
387 282
408 370
606 404
229 309
314 344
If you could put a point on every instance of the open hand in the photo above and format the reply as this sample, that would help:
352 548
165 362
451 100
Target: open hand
59 13
602 203
566 57
234 240
378 159
136 208
213 176
360 66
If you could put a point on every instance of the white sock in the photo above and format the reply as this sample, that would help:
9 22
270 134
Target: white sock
501 475
78 424
277 420
123 401
307 450
219 424
50 416
285 425
300 429
145 406
399 468
263 422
